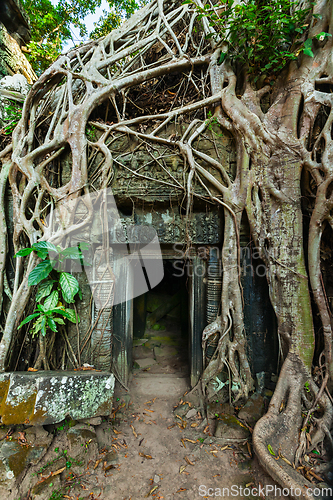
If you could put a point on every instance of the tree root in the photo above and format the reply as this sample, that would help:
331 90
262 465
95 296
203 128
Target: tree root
277 432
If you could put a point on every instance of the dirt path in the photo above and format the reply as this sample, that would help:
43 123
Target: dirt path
158 458
154 445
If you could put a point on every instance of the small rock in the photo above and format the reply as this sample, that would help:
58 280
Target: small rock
79 437
111 456
156 479
253 409
181 410
146 362
191 413
18 83
95 421
41 486
229 427
165 351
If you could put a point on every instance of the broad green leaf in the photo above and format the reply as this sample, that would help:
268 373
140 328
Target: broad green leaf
24 252
44 245
41 271
270 449
52 324
308 43
44 289
51 301
222 57
29 318
84 246
37 326
71 315
72 253
308 52
67 313
59 320
69 286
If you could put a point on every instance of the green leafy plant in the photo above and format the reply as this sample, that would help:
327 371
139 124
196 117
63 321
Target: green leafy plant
91 132
56 288
13 113
264 36
270 449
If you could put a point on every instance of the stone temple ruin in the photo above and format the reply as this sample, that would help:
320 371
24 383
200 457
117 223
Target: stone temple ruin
148 185
174 184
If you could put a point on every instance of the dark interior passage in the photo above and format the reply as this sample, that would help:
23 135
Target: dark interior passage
160 325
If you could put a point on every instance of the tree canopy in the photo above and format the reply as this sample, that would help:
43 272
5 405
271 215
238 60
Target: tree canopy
51 25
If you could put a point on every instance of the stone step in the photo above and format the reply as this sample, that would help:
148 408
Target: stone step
48 397
166 385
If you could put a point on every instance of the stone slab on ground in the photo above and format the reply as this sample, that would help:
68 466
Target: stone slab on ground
146 362
163 385
48 397
253 409
229 427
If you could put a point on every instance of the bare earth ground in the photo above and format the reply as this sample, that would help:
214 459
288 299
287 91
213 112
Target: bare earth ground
144 449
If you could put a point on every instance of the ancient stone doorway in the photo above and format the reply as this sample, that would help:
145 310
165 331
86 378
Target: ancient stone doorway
164 326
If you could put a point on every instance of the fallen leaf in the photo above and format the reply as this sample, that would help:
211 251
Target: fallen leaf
183 443
116 432
135 434
195 424
188 461
180 490
170 426
190 440
22 439
59 471
151 491
182 468
151 411
109 467
149 457
206 429
32 370
97 463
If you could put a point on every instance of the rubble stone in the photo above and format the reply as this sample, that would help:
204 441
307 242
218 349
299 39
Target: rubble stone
48 397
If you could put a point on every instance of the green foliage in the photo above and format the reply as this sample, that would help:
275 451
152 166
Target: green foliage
50 27
91 133
264 36
56 288
12 115
119 10
270 449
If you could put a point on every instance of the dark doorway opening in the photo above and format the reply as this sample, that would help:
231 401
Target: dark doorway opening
160 325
